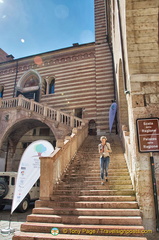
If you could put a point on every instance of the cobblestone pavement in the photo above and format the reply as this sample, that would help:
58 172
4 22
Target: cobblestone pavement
16 220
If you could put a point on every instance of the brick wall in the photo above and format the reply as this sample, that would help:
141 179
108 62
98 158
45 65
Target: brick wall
104 68
142 36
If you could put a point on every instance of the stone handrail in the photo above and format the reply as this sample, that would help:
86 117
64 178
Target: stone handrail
54 166
128 151
42 110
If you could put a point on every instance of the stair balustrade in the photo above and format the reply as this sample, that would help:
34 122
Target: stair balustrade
41 109
79 207
53 167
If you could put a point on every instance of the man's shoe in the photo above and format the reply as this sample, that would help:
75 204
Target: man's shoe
102 182
106 179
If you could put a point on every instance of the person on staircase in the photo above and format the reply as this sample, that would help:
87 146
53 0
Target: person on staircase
104 151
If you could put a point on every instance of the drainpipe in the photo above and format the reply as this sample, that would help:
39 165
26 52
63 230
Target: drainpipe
113 62
110 47
122 49
15 81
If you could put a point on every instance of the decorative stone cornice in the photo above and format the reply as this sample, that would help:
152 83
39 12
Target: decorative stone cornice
48 62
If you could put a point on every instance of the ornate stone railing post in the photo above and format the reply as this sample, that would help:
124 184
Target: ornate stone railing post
58 116
31 105
45 111
72 120
20 100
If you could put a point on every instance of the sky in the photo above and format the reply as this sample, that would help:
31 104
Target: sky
29 27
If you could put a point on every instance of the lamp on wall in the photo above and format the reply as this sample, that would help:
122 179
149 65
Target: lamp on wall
127 92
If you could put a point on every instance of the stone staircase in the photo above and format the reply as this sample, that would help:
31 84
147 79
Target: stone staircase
81 208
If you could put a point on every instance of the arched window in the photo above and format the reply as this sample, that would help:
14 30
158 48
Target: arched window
31 82
52 86
29 85
30 88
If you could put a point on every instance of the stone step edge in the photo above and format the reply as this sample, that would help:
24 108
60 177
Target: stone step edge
99 190
118 205
88 186
96 202
45 227
90 198
92 182
61 225
84 217
46 236
96 220
95 196
47 210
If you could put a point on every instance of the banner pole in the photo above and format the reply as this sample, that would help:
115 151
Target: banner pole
154 191
9 230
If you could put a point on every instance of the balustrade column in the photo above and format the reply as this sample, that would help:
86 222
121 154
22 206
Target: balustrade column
72 120
58 116
32 105
45 111
20 100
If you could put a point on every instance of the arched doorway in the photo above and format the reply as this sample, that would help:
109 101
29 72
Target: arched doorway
17 139
92 130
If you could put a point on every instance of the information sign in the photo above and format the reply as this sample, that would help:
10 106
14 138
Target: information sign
148 134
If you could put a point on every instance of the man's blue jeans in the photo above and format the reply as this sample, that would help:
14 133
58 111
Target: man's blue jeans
104 163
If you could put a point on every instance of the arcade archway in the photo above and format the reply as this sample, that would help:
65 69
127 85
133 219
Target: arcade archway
18 137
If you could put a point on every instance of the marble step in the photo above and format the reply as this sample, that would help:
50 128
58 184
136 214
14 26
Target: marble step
45 236
86 230
95 220
86 211
95 204
92 198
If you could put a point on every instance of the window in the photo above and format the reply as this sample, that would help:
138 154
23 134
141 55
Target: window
78 112
34 132
44 132
52 86
13 181
1 91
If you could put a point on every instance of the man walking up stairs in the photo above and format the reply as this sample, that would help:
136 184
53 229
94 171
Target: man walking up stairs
81 208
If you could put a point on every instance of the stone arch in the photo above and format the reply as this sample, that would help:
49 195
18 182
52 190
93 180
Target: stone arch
122 112
12 137
29 85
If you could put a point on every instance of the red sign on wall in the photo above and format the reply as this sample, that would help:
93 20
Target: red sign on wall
148 134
